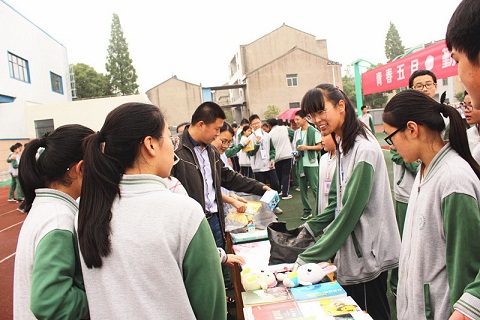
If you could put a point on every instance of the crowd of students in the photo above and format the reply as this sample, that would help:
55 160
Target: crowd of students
106 238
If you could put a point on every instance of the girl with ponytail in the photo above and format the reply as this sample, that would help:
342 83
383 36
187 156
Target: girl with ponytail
48 281
146 252
362 233
439 257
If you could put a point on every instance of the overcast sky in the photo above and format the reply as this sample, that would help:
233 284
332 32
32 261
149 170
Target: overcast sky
195 40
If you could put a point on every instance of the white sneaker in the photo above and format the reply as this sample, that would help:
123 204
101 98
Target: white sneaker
297 189
277 210
287 197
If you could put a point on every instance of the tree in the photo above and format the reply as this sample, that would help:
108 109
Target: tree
375 100
272 112
349 87
393 43
459 96
121 74
89 83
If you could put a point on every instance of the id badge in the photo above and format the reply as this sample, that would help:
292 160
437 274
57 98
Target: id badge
326 186
263 154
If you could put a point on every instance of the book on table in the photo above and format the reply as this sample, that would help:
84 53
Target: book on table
338 308
323 290
269 295
273 311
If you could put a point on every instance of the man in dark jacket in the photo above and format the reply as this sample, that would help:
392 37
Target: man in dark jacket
202 172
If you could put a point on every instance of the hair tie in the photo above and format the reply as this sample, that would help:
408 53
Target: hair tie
42 142
101 138
443 110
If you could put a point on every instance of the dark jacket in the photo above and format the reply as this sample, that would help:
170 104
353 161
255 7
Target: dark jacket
188 172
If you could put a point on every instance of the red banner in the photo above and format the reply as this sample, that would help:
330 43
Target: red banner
394 75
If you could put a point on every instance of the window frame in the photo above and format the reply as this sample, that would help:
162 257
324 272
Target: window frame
292 80
56 82
18 68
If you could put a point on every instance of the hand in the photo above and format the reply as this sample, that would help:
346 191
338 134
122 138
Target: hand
302 147
241 199
457 315
232 259
12 157
240 206
258 139
272 164
267 188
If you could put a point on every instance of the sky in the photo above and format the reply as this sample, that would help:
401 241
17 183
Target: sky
196 40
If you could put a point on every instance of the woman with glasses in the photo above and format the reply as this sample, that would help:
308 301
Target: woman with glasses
362 235
146 252
473 133
441 239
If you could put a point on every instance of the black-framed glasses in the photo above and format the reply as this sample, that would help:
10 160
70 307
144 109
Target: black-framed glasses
226 143
388 139
420 86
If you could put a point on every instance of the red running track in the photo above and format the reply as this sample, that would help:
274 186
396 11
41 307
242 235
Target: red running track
11 221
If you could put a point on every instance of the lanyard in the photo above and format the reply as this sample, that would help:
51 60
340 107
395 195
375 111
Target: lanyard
340 174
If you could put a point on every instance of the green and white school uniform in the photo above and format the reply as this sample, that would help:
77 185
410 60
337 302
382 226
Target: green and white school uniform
362 232
440 258
48 280
163 263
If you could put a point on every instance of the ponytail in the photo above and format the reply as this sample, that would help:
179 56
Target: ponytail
108 154
29 173
412 105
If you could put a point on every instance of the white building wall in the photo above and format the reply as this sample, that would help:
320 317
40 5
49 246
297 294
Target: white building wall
44 54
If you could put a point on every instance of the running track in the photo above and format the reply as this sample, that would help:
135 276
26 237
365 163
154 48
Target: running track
11 221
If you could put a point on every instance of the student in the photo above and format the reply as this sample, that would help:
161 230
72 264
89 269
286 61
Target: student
13 170
307 142
466 52
473 133
326 171
283 156
48 280
367 119
243 158
362 235
146 252
439 254
424 81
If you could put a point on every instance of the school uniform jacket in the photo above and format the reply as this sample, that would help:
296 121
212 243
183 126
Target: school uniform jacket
440 258
48 281
403 176
163 262
364 234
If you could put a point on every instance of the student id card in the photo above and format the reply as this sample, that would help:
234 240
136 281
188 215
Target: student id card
263 154
326 186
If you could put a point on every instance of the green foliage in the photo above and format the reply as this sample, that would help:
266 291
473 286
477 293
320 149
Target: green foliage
89 83
459 96
272 112
393 43
121 74
349 88
375 100
229 116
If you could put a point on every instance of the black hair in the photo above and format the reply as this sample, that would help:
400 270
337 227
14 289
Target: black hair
253 117
301 113
182 124
208 112
245 128
18 144
463 30
13 148
244 121
413 105
63 149
227 127
234 125
272 122
419 73
363 107
314 101
108 153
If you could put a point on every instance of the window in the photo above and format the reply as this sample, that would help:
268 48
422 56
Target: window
56 83
18 68
445 81
294 105
43 126
292 80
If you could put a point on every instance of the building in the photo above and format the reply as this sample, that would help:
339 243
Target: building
177 98
277 69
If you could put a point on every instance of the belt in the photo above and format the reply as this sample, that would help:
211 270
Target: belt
209 214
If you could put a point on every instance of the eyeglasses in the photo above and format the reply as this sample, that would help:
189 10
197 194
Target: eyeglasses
317 115
467 106
175 141
226 143
420 86
388 139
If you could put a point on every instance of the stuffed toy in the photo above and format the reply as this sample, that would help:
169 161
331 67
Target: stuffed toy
306 274
250 280
267 279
